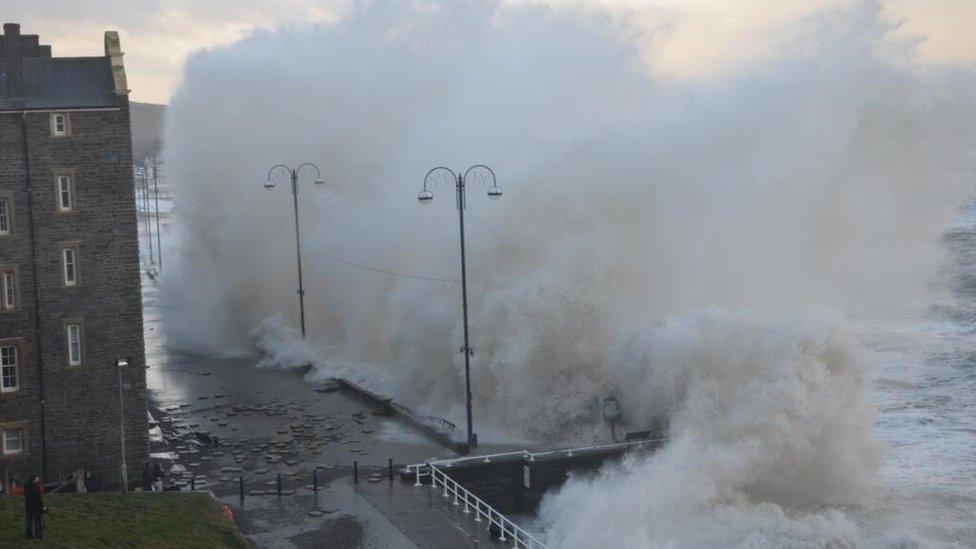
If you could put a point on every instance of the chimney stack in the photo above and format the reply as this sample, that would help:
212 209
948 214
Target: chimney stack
13 60
113 50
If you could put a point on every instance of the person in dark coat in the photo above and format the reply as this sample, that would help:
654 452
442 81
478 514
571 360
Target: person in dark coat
158 476
147 478
34 508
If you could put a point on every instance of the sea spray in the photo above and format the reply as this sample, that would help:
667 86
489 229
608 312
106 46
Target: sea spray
769 423
630 197
660 239
281 346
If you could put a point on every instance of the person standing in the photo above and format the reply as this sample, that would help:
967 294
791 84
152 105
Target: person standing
34 508
147 478
158 476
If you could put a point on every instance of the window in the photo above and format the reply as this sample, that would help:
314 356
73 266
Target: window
9 374
69 264
13 440
60 125
4 215
74 344
8 289
65 190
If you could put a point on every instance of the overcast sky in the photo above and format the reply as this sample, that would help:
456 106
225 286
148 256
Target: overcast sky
706 35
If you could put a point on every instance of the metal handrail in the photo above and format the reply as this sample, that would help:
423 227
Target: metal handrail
507 529
531 456
519 535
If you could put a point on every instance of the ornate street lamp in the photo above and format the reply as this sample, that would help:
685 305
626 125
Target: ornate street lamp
269 184
426 196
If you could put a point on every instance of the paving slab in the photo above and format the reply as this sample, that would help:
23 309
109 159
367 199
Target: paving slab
425 517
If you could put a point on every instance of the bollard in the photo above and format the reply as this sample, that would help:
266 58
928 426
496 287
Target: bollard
279 485
240 484
315 480
355 472
193 483
391 469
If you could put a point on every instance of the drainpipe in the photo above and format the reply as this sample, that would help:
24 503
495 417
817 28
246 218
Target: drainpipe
37 295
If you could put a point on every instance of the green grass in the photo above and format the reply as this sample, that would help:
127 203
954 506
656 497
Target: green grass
114 520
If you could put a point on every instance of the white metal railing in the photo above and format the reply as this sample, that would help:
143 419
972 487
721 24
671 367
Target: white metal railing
531 456
507 529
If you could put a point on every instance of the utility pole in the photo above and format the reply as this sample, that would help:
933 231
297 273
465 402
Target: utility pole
159 242
145 211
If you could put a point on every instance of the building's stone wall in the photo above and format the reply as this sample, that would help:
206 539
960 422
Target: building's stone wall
82 416
24 404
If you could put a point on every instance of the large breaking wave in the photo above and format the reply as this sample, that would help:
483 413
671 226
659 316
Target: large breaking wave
704 250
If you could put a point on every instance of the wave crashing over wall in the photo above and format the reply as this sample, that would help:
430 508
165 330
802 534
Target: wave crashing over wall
701 249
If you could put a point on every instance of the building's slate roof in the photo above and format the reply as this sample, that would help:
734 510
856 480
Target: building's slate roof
62 82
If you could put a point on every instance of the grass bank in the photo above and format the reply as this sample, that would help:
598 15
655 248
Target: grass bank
168 519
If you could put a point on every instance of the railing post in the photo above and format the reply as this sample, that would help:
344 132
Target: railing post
240 485
518 536
278 478
391 469
315 480
355 472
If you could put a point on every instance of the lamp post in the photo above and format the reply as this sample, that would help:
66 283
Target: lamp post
425 197
159 238
121 363
293 173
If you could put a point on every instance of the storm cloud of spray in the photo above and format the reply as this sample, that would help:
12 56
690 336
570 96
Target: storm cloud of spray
702 249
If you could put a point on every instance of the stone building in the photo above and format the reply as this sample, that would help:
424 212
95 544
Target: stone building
70 294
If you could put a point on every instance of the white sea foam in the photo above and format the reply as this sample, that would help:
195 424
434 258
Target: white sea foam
769 423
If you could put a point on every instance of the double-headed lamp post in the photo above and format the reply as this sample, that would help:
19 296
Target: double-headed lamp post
120 364
293 173
425 197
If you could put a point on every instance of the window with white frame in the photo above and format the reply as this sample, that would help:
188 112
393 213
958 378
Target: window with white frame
9 373
73 333
59 124
69 264
65 193
8 289
13 440
4 215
